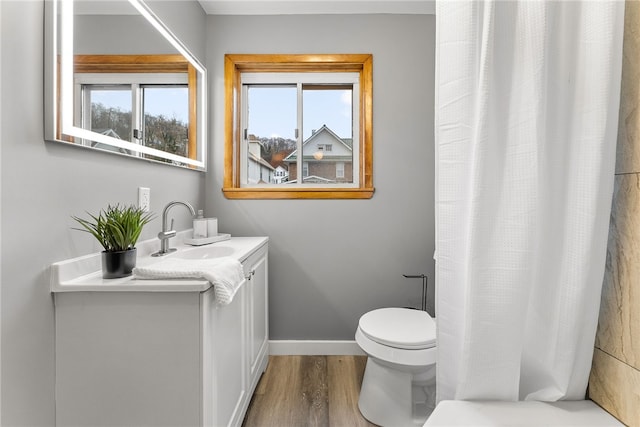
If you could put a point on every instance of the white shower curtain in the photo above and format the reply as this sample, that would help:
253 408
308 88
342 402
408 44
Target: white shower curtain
526 118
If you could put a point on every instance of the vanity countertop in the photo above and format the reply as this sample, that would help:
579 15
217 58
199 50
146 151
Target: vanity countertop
83 274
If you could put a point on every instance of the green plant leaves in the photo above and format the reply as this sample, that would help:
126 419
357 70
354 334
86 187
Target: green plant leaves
116 228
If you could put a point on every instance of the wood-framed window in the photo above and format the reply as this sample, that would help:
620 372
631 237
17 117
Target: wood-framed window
307 148
140 78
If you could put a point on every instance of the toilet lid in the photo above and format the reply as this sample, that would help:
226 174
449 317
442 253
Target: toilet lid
399 327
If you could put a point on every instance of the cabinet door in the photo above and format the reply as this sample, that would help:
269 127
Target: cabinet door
259 318
228 362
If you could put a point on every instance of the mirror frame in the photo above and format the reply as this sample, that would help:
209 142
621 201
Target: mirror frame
58 108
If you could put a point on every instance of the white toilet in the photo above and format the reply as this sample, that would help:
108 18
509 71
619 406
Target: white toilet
398 388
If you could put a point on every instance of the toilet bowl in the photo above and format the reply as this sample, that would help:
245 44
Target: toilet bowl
398 388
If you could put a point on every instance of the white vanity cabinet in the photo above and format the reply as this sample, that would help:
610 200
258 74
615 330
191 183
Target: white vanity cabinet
155 355
239 347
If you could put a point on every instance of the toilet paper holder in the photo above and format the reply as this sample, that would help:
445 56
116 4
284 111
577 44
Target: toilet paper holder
425 280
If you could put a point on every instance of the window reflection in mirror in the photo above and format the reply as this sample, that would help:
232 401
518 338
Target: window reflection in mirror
166 129
122 82
142 99
106 109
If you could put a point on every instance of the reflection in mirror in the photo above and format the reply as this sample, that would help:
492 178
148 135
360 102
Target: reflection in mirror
119 80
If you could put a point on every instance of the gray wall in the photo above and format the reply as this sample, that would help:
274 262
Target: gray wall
42 185
130 34
186 20
323 278
124 35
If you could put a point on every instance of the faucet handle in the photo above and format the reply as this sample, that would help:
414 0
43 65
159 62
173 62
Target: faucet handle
171 228
163 235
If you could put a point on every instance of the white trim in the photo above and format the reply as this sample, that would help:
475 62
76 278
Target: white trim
299 135
244 136
314 348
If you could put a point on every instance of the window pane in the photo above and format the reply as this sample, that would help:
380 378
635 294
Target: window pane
166 118
110 110
328 133
271 140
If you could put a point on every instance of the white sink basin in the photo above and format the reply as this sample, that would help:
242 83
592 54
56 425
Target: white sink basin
204 252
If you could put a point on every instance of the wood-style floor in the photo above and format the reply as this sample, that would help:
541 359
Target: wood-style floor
308 391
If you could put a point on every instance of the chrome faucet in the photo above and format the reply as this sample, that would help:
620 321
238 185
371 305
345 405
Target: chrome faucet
168 231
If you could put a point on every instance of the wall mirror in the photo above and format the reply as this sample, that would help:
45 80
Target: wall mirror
118 80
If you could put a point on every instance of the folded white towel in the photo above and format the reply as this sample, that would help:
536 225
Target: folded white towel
225 273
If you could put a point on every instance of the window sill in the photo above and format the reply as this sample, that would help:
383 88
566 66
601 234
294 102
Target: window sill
298 193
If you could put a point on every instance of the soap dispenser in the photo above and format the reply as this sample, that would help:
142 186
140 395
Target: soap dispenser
200 226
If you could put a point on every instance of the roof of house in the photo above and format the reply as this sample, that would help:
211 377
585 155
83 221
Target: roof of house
108 132
347 142
260 161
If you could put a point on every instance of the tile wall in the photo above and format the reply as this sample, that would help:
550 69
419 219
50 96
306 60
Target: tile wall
615 375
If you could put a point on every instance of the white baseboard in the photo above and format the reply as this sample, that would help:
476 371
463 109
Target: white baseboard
314 348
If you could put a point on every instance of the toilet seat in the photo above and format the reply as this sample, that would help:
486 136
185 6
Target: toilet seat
400 328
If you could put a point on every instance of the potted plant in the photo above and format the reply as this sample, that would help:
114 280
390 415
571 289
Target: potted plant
117 228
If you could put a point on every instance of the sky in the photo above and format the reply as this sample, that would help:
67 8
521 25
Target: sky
168 102
272 111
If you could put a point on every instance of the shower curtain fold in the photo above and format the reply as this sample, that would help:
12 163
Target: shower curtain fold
527 97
